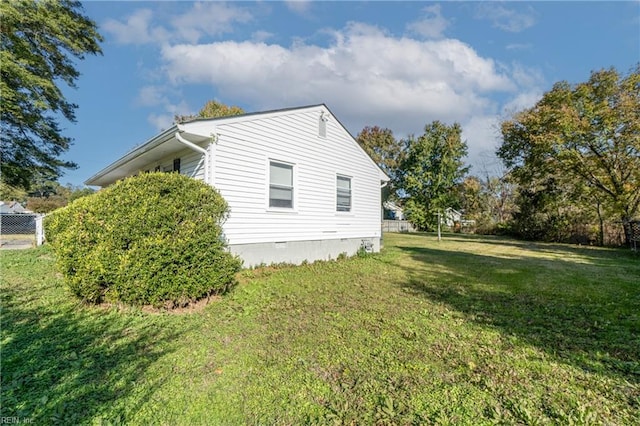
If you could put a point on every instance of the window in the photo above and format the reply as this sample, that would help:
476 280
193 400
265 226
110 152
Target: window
280 185
343 194
176 165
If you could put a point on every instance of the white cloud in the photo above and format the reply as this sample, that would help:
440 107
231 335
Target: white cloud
160 97
160 121
136 29
151 96
519 46
482 135
506 19
299 6
210 18
366 75
400 82
526 77
432 25
261 36
522 101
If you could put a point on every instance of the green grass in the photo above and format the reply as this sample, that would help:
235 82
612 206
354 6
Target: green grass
469 330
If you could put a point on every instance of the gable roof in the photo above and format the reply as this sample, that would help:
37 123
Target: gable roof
149 151
12 207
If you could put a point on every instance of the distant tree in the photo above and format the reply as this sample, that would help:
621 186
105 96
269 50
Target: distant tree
11 193
386 151
79 192
46 204
211 109
489 201
584 136
39 40
550 210
430 172
472 203
45 186
47 195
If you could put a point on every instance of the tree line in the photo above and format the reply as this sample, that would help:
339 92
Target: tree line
571 159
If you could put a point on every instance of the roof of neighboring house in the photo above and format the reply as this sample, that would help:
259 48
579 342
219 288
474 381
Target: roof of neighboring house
147 152
11 207
390 205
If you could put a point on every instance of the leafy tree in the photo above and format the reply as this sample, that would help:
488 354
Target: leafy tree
386 151
584 136
489 201
211 109
550 210
79 192
471 197
39 40
47 195
46 204
11 193
430 172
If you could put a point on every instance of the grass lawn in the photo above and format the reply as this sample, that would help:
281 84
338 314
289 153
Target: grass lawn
469 330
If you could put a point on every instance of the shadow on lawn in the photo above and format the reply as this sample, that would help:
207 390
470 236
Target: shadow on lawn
563 308
69 364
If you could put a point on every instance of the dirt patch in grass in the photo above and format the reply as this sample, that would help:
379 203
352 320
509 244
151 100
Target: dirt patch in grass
190 308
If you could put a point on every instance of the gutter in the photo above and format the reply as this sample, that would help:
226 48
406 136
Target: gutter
196 148
132 154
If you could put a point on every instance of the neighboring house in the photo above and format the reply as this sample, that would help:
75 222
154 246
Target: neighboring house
392 211
12 207
298 185
451 216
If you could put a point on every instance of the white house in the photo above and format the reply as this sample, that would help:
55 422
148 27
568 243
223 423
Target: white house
451 216
298 185
394 210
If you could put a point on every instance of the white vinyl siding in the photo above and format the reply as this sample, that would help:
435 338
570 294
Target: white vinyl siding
191 164
343 193
280 185
241 172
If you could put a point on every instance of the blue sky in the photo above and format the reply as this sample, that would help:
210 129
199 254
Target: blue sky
399 65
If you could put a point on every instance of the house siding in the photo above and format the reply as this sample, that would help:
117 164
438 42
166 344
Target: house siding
191 164
241 174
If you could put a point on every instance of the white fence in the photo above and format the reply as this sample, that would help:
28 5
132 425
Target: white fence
397 226
21 230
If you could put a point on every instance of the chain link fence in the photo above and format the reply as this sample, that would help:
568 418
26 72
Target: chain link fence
21 230
635 235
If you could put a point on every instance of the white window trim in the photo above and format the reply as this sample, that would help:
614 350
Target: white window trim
294 208
351 211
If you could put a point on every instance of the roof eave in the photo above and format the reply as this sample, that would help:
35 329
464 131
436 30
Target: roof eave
131 155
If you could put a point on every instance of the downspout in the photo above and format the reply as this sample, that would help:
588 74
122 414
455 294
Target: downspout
199 149
382 215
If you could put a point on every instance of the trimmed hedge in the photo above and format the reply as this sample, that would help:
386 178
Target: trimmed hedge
150 239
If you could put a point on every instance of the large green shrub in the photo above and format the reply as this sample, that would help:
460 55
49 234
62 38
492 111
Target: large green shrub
151 239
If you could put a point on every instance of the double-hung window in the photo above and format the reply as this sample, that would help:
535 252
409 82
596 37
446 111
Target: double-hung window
343 193
280 185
